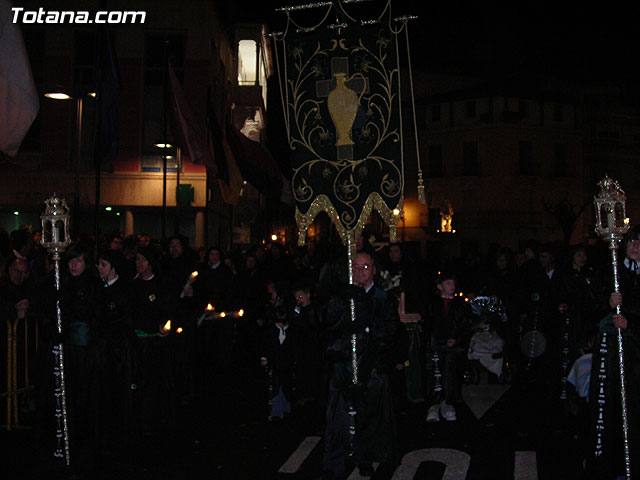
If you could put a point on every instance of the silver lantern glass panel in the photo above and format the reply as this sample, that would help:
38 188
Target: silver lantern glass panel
611 213
55 224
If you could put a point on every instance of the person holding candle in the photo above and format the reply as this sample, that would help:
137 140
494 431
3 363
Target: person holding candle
153 405
179 266
214 286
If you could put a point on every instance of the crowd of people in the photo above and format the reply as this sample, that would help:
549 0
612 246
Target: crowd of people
140 340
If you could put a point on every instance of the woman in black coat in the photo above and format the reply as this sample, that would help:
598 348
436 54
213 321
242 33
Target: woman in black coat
607 450
113 354
80 309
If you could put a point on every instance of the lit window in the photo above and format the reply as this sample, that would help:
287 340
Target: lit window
247 62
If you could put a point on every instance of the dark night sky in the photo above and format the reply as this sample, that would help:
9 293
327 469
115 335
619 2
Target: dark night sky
583 42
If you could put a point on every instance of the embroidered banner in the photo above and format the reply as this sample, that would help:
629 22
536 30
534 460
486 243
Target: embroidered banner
343 118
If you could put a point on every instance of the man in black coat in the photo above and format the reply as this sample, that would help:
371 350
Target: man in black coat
376 325
15 290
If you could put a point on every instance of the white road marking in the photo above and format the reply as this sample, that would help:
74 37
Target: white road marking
480 398
456 463
355 475
300 455
525 466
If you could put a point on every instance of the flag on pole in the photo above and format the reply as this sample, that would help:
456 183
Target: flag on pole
108 90
256 163
19 103
187 129
231 187
229 177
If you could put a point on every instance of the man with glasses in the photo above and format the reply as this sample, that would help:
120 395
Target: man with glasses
15 290
376 327
15 310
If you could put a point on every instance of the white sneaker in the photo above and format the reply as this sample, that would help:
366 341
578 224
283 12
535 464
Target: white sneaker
448 412
433 415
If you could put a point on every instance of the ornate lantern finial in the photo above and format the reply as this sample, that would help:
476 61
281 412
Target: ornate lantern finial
55 224
611 214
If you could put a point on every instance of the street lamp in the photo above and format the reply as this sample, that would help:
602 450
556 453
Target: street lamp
60 93
164 146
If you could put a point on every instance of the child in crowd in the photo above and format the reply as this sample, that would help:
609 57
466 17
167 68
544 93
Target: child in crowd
449 331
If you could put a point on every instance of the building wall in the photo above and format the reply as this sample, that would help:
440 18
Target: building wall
499 203
208 70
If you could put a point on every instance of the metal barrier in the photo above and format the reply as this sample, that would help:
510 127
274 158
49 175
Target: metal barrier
21 345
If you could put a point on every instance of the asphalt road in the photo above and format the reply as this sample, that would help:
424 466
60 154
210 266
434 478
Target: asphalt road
502 432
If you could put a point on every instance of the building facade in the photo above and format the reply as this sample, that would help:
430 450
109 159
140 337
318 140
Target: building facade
137 192
512 161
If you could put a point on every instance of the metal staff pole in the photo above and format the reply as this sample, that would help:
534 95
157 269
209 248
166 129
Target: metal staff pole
354 354
352 304
610 202
56 238
565 350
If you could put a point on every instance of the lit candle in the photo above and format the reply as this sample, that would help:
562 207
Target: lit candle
240 312
610 219
179 330
167 326
207 312
190 280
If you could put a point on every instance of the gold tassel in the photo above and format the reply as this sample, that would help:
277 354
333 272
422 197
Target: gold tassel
393 233
302 237
421 197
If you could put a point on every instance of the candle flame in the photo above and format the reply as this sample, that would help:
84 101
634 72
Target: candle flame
167 326
240 312
222 314
194 274
179 330
210 307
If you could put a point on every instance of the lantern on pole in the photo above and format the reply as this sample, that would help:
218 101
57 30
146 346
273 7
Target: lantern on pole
612 224
610 206
56 238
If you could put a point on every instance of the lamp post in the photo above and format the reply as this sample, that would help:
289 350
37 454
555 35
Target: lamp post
178 167
164 146
61 94
56 238
610 206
